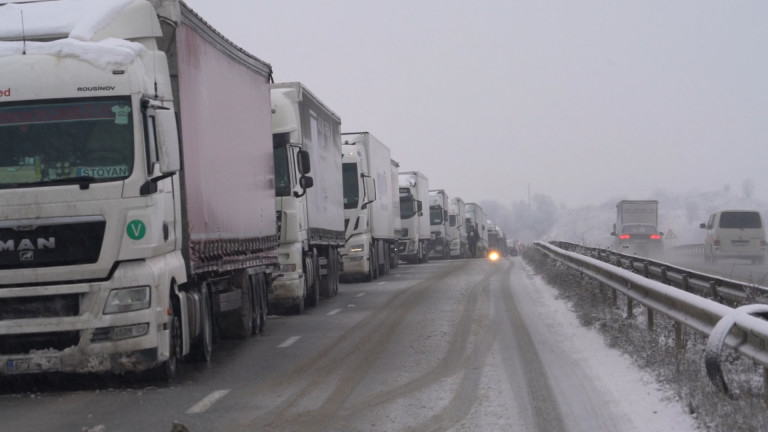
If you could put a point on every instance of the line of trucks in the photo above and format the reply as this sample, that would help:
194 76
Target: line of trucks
145 212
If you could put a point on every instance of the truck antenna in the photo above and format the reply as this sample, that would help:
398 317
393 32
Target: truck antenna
23 35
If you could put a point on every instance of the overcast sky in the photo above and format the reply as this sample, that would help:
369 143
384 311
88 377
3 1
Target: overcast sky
584 100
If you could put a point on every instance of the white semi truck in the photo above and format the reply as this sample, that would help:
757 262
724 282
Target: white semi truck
370 195
477 230
414 197
126 240
456 223
310 211
441 231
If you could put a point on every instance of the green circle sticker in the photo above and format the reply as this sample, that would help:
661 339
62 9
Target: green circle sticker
136 229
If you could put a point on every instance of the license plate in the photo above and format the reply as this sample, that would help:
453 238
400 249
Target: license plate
32 364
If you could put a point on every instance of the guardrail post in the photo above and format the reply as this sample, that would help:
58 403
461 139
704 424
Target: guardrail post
650 319
646 269
712 289
664 279
684 283
614 297
629 302
765 385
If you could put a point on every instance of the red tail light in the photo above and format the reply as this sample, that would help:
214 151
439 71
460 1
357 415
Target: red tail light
655 237
624 237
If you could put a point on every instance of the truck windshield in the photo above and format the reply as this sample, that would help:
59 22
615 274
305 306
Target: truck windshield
351 185
51 141
282 172
406 206
435 215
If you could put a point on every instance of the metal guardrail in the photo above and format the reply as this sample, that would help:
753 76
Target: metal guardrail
712 286
735 328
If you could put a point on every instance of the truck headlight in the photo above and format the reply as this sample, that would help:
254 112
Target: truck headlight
357 247
127 300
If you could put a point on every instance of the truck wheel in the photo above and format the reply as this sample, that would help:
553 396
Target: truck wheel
313 292
238 324
167 370
336 273
260 300
202 349
375 262
371 275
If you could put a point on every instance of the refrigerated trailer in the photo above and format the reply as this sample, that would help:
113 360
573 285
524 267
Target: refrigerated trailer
137 165
308 189
369 207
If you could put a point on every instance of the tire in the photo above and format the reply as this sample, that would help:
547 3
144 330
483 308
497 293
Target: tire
336 272
371 274
375 262
312 298
202 348
238 324
168 369
260 312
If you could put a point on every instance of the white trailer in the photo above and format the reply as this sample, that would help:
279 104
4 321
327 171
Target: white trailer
414 196
306 138
636 228
458 248
441 232
477 230
369 211
141 258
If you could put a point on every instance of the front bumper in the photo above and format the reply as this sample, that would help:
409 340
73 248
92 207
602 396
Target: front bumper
63 328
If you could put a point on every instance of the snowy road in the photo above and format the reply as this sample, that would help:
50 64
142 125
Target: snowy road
445 346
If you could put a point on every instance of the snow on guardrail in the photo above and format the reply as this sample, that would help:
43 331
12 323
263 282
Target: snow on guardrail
724 325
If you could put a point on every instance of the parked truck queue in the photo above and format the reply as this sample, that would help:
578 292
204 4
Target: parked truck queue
147 214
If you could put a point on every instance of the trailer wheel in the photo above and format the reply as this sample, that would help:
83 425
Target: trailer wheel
202 349
238 324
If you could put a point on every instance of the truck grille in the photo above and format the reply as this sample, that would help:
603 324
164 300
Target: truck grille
20 344
50 242
55 306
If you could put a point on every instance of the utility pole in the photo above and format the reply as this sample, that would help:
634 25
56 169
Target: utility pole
529 196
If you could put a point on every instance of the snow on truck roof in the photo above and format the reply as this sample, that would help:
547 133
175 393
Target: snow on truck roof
72 23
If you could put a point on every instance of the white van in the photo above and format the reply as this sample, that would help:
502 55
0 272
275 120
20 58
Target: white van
735 234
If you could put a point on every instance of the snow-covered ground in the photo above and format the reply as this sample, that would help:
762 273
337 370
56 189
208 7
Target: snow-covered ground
645 404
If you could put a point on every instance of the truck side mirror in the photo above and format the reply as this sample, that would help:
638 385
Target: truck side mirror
369 190
445 215
305 182
167 141
419 208
304 165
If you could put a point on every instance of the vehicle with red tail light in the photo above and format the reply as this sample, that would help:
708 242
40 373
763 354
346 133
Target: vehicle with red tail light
636 228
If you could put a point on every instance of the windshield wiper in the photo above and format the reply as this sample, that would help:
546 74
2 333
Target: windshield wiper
83 181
